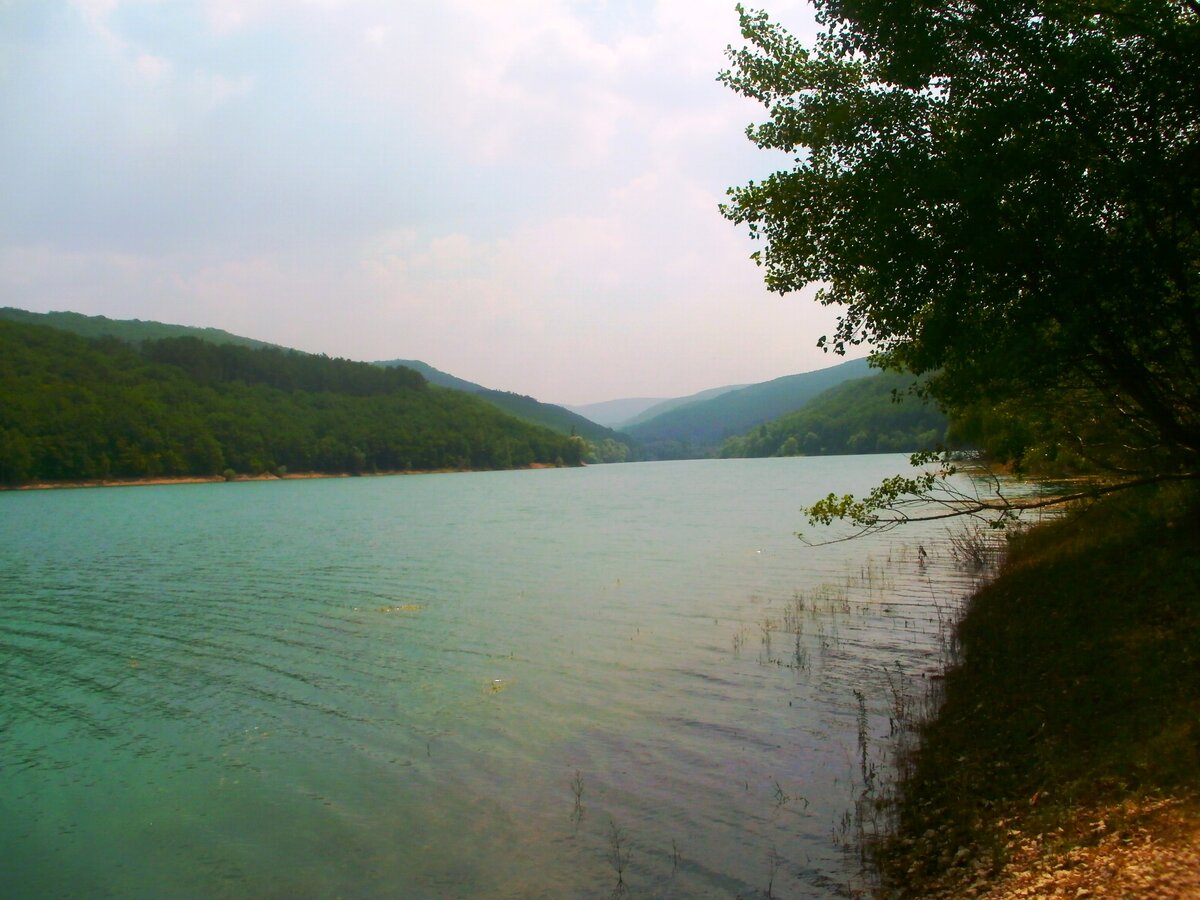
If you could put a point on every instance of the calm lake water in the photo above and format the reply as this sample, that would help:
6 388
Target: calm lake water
505 684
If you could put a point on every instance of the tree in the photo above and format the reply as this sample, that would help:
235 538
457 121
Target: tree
1003 195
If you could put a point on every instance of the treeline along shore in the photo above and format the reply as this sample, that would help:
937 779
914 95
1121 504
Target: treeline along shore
95 410
233 476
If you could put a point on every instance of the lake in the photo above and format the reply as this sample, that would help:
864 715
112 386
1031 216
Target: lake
549 683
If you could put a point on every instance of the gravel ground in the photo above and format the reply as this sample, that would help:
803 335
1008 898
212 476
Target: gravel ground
1149 849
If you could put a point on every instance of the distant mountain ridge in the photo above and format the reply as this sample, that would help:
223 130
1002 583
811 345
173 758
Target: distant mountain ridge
622 413
608 445
615 413
874 414
667 406
698 428
672 428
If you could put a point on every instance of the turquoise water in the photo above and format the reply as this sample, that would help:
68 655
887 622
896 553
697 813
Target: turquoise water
451 685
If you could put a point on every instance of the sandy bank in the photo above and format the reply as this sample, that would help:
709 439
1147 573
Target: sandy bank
266 476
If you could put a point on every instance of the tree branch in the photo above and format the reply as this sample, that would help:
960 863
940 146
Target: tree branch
1007 507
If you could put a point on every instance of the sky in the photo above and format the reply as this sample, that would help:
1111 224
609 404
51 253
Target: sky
521 193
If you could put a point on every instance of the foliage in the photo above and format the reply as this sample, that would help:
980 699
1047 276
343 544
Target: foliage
933 494
1003 196
697 429
607 450
94 409
876 414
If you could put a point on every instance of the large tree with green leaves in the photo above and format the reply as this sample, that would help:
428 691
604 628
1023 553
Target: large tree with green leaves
1003 195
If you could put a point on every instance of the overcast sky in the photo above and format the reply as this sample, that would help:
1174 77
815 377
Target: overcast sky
520 192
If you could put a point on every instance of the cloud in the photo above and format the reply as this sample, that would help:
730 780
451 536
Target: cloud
151 66
523 193
376 34
620 289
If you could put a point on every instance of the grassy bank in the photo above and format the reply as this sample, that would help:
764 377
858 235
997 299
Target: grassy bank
1072 717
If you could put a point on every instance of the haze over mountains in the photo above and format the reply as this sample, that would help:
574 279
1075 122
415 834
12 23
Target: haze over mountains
693 429
606 443
699 425
631 410
874 414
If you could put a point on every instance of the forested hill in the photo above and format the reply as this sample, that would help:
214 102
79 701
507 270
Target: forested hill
133 331
76 408
605 444
664 406
434 376
875 414
698 429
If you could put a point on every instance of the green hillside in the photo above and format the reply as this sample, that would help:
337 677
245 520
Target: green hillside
606 445
434 376
133 331
866 415
77 408
664 406
698 429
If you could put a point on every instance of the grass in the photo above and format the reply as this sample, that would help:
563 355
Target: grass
1077 688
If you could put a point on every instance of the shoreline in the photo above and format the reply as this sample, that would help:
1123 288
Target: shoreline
1061 757
160 480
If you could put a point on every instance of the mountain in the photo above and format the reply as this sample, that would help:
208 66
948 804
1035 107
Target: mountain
434 376
875 414
615 413
621 414
132 331
698 428
557 418
607 445
97 408
665 406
